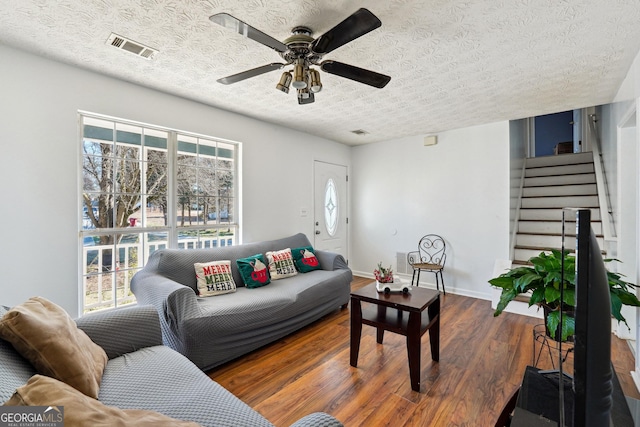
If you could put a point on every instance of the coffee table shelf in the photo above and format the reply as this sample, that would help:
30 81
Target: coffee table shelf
394 320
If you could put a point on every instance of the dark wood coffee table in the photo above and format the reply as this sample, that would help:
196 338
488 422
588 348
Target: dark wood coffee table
386 312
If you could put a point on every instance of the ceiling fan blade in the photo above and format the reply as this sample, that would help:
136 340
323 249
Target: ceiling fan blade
358 24
250 73
361 75
247 30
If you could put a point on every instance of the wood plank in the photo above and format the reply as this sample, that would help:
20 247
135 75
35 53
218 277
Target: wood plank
482 360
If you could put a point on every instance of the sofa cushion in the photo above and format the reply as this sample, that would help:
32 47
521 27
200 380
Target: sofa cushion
214 278
254 271
182 392
305 259
45 335
14 369
81 410
281 264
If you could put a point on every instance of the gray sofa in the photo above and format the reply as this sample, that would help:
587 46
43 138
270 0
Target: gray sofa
214 330
144 374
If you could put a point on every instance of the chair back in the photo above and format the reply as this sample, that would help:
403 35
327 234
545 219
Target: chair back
432 249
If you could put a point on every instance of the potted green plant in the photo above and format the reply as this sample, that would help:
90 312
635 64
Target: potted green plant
544 279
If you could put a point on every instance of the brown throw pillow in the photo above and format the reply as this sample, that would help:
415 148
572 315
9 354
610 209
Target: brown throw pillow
44 334
80 410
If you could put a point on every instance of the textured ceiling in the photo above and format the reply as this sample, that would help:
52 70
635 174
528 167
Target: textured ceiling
453 63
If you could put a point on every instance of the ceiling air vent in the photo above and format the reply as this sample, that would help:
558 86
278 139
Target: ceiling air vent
129 45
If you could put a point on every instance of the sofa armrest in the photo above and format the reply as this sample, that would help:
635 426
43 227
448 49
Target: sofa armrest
123 331
174 302
331 260
317 419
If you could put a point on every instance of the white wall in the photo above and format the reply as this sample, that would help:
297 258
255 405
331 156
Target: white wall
39 167
459 188
518 143
628 99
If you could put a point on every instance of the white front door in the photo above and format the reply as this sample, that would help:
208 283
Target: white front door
330 207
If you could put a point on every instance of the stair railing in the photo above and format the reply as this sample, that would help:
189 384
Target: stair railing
604 198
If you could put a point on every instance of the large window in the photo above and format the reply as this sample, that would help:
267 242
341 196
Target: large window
146 188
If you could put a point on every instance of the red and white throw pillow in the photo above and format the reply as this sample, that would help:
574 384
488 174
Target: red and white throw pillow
281 264
214 278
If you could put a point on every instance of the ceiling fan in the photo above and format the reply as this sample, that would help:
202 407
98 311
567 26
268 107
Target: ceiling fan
303 51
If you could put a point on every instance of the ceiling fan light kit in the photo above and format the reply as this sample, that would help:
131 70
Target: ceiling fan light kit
315 85
299 74
285 81
303 51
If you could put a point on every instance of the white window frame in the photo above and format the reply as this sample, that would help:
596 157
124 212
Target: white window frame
203 229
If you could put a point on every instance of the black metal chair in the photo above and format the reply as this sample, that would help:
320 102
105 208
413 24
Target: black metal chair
431 257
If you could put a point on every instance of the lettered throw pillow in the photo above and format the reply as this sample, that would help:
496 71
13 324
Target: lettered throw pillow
281 264
254 271
214 278
305 259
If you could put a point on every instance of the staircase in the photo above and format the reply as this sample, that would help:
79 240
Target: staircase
550 184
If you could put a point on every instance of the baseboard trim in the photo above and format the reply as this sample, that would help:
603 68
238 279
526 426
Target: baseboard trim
427 285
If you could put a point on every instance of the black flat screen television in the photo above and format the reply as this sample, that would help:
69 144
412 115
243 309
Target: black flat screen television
593 397
592 371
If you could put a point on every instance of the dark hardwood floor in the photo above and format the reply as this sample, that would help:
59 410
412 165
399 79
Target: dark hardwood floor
482 360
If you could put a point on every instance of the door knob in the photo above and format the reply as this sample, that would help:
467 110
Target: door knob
317 231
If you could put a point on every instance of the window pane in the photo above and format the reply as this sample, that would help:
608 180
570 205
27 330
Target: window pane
127 152
207 163
154 138
97 291
187 180
188 239
187 150
128 134
226 155
128 177
91 166
156 156
206 152
155 241
156 210
128 251
123 292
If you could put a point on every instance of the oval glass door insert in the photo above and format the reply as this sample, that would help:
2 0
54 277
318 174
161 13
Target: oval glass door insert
331 207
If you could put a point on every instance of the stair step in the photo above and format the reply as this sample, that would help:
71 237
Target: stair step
559 170
551 214
562 159
582 178
522 255
560 202
561 190
549 241
554 227
543 241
